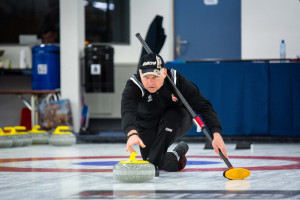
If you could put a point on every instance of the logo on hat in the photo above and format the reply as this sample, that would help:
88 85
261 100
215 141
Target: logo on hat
149 63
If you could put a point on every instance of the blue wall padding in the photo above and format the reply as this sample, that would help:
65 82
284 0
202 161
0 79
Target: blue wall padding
251 98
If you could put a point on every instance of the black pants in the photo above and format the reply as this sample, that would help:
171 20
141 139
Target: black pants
173 124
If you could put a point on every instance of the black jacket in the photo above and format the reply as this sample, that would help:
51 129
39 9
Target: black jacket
142 108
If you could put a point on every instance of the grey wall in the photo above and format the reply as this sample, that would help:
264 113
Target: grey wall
108 105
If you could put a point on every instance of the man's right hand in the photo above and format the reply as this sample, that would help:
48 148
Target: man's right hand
134 139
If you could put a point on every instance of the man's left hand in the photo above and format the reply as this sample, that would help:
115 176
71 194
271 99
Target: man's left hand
218 144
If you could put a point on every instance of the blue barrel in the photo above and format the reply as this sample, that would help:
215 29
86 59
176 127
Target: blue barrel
45 67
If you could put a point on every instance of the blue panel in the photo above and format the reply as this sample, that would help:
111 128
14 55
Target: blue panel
285 99
212 31
238 92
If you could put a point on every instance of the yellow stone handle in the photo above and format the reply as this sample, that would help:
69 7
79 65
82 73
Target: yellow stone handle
132 159
1 132
62 130
36 129
20 129
11 130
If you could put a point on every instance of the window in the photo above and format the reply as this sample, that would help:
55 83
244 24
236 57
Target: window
107 21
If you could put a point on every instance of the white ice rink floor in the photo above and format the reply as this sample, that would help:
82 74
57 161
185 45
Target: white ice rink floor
84 171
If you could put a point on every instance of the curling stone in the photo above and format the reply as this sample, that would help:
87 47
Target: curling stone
16 137
5 139
62 137
133 171
39 136
27 139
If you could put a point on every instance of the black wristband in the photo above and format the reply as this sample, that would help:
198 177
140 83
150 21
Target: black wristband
131 134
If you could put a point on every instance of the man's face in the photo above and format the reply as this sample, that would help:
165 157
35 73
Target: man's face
152 83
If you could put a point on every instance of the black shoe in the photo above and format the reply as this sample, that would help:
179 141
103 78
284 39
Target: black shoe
181 149
156 171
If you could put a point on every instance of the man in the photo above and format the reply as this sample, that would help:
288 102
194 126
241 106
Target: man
49 35
153 117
